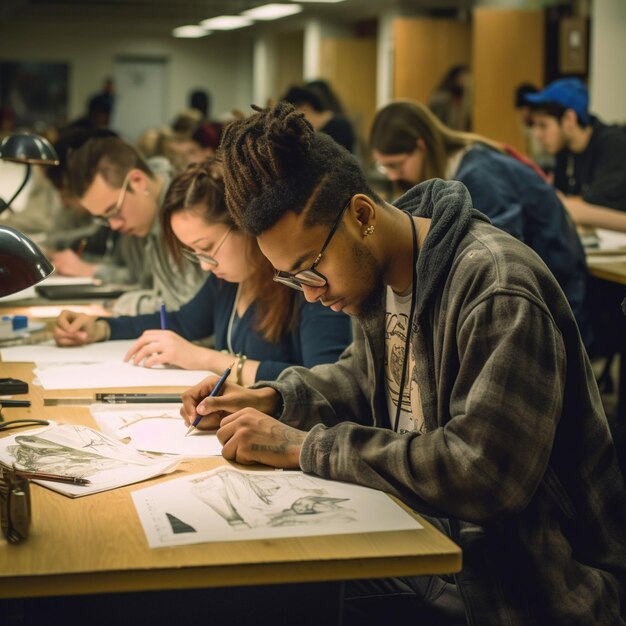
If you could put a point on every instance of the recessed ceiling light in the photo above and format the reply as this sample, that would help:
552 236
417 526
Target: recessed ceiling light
322 1
226 22
190 31
272 11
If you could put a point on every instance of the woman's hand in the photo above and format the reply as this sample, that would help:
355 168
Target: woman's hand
77 329
160 347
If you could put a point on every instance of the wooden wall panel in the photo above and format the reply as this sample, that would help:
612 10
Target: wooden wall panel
349 65
507 49
424 50
289 61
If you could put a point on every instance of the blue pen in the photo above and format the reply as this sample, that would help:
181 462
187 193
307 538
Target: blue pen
215 391
163 322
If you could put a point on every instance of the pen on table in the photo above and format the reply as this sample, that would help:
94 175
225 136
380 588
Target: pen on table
163 312
59 478
118 398
137 398
215 391
14 403
81 247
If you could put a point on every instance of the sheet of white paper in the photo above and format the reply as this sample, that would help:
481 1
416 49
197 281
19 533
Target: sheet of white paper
598 259
81 452
103 376
155 428
610 239
49 352
230 505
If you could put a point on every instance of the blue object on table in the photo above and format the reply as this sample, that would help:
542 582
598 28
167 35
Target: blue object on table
19 322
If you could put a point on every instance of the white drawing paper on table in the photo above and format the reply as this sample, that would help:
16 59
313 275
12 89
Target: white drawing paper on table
49 352
226 504
155 428
80 452
103 376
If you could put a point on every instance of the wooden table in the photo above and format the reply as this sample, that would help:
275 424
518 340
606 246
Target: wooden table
96 545
612 268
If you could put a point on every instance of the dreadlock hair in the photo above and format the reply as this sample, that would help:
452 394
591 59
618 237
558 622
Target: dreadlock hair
111 157
275 162
200 190
398 126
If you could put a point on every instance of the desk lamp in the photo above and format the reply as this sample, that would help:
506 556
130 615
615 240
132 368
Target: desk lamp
22 263
27 148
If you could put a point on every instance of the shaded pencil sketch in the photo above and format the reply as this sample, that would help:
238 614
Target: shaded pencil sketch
227 504
37 454
80 452
246 500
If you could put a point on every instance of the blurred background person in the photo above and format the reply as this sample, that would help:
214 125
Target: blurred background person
451 101
590 167
533 148
411 145
322 119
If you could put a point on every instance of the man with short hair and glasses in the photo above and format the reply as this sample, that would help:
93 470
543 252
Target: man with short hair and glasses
467 392
120 189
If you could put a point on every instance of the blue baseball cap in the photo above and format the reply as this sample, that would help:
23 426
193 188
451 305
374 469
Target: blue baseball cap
568 92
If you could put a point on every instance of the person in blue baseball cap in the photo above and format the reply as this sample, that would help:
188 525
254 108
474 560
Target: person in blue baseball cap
590 168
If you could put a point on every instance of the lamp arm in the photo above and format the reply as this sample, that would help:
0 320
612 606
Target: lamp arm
5 205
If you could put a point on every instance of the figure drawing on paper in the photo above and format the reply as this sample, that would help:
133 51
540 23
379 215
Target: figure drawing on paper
248 501
72 450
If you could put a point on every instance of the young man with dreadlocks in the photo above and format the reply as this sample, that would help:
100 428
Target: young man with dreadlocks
467 392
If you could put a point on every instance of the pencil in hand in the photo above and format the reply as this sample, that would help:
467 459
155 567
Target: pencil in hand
214 392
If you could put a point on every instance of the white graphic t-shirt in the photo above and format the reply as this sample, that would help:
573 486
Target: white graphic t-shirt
411 419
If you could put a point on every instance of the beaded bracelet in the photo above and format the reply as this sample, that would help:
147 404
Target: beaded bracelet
239 372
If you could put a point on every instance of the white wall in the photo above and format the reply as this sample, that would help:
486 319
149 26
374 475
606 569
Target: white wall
220 63
608 52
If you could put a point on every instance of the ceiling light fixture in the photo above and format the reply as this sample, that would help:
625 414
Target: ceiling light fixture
190 31
226 22
272 11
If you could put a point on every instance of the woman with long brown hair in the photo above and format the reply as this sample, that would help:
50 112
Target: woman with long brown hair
267 326
410 145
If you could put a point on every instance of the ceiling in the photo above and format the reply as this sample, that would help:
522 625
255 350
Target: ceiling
160 16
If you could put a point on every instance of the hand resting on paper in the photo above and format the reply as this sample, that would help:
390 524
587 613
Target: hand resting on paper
161 347
77 329
249 436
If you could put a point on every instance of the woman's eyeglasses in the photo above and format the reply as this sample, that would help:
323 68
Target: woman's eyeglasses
395 167
310 277
203 257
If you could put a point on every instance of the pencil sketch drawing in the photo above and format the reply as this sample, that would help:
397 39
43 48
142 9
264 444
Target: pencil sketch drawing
247 501
71 450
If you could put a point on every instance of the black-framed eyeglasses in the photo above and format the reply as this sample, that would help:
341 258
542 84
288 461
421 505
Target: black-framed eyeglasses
203 257
115 212
310 277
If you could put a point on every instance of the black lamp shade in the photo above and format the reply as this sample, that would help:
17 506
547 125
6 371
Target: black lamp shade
22 263
28 148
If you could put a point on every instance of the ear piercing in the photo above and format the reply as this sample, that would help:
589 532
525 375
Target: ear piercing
368 231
